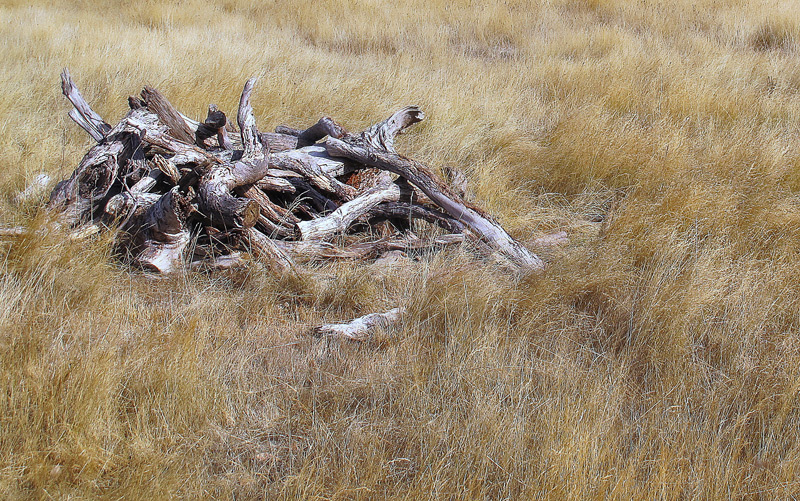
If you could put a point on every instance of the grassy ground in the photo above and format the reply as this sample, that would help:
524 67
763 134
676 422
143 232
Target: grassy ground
657 357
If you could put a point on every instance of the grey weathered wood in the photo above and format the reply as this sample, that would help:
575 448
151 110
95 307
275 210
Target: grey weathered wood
168 115
276 220
159 236
310 167
362 328
317 250
422 177
251 140
78 197
124 206
381 135
338 221
279 184
213 127
82 113
326 126
184 153
217 263
278 142
393 211
242 188
216 201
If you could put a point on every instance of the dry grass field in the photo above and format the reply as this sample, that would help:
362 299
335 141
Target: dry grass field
658 356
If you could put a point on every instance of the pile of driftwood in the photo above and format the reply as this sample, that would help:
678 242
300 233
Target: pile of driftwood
182 192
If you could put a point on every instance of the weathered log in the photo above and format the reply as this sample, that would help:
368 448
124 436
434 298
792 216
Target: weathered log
308 199
276 142
324 127
422 177
217 263
123 205
273 210
251 140
362 328
309 167
267 179
339 220
159 237
316 250
393 211
82 114
217 202
279 184
275 220
168 115
78 197
214 189
155 134
126 205
381 135
334 167
288 131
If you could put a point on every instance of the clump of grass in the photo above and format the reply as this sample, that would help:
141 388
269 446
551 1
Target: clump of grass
777 33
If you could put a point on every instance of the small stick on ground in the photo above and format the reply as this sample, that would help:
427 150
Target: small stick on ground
361 329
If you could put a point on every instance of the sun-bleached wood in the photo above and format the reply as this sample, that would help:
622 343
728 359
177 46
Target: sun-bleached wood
422 177
82 114
276 221
339 220
317 250
310 167
168 115
78 197
161 234
382 134
251 141
159 175
362 328
393 211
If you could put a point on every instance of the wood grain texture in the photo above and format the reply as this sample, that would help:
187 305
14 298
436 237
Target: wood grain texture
422 177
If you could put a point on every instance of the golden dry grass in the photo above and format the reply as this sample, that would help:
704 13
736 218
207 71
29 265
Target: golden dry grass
657 357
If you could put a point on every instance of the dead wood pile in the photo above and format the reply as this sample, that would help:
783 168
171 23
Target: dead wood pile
185 193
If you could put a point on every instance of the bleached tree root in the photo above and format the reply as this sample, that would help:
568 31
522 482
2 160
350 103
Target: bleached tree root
361 329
